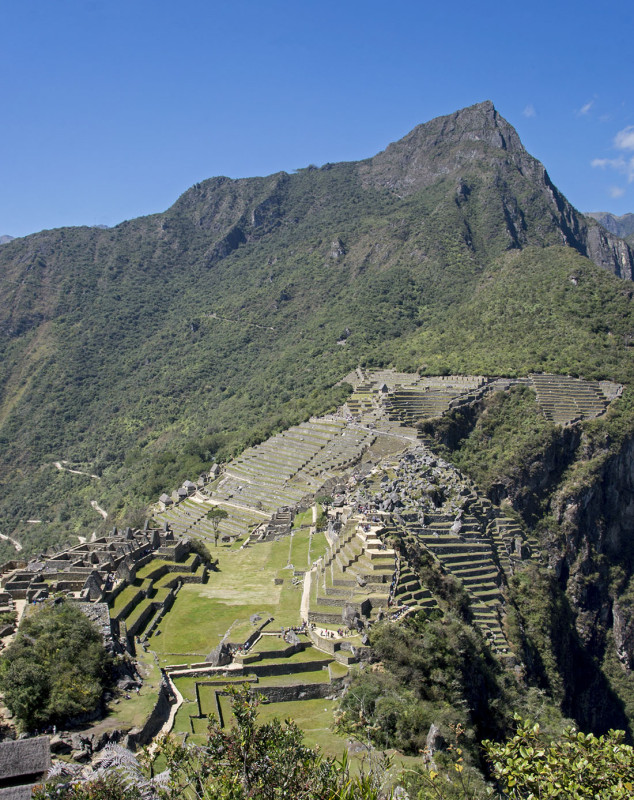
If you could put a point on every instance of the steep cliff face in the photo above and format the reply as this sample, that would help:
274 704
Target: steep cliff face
572 622
608 251
596 521
477 140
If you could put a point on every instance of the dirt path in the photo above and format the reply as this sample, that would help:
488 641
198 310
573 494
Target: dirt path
60 466
303 609
169 722
98 508
14 542
241 322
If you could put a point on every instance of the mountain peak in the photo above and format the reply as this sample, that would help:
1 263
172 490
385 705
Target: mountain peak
444 145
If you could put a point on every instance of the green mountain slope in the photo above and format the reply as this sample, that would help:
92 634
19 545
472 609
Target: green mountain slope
139 353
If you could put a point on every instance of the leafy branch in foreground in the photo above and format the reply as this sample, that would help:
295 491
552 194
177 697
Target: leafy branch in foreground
576 765
245 762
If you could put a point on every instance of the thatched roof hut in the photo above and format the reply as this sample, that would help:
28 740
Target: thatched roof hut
23 763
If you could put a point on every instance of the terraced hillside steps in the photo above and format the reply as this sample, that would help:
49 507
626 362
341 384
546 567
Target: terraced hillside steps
565 399
278 473
361 572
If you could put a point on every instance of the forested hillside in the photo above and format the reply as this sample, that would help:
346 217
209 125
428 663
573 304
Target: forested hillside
138 354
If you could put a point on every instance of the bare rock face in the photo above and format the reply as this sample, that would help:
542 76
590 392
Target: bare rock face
434 741
440 147
220 656
529 207
610 252
623 628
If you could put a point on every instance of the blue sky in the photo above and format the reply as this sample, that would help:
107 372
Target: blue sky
110 109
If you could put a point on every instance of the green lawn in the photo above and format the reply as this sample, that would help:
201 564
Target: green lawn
151 568
133 712
301 657
122 599
267 643
305 518
317 676
242 586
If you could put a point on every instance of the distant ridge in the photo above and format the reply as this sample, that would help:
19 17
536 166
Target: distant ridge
622 226
6 238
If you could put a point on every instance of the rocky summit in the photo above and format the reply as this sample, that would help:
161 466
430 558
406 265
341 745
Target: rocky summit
408 378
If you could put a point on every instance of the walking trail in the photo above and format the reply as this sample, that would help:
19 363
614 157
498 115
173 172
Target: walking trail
99 509
14 542
60 466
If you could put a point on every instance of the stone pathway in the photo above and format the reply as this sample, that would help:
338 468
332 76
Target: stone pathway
303 611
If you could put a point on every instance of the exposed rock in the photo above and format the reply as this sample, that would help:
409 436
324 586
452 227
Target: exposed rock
434 741
220 656
60 745
623 635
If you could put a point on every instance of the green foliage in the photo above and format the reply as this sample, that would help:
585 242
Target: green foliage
7 618
200 548
503 447
321 522
217 323
55 668
263 761
249 761
431 671
575 766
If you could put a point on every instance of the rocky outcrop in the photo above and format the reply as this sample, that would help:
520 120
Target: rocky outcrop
623 629
608 251
527 204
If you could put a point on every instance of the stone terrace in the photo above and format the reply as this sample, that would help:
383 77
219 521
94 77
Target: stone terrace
279 473
429 504
565 399
408 398
361 574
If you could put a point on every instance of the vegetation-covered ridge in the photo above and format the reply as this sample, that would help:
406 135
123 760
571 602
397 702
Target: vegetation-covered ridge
141 352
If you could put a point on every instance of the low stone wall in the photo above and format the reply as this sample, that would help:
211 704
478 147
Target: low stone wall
152 608
328 645
287 669
305 691
123 613
283 652
139 737
325 619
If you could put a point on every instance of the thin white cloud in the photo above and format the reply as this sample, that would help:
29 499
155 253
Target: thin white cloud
614 163
585 109
623 163
620 164
529 111
624 140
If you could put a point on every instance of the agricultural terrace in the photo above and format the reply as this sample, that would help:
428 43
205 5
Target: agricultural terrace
259 580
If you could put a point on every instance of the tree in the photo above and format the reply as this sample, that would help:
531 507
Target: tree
215 515
576 765
55 668
200 548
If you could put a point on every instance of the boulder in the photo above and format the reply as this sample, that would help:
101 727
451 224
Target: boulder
220 656
292 638
60 745
350 616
